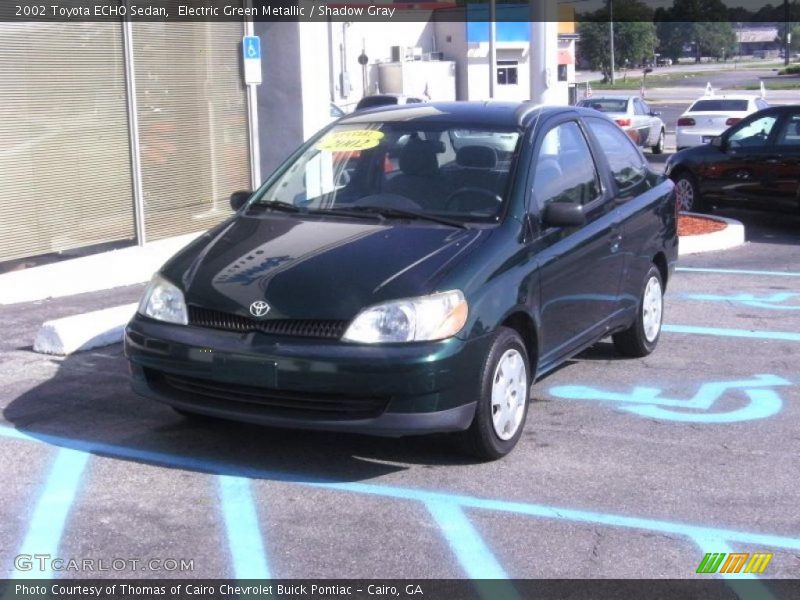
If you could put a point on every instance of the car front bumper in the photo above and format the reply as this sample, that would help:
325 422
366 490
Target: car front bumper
393 390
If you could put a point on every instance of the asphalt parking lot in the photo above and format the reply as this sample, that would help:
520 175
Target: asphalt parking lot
627 468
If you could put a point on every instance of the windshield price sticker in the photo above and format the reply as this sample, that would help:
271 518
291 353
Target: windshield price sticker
346 141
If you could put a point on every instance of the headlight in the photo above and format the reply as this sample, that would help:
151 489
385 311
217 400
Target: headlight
425 318
164 302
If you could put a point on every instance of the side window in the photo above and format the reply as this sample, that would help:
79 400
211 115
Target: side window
753 134
638 107
628 166
564 169
790 133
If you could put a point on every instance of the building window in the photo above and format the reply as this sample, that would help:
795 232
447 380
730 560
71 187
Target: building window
562 72
507 72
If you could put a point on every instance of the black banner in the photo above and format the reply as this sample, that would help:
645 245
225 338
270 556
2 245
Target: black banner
700 588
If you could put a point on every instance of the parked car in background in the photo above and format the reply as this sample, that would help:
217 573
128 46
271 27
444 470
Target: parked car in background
418 299
755 162
708 116
387 100
643 125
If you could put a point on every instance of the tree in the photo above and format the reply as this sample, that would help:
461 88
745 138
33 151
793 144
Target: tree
700 25
634 36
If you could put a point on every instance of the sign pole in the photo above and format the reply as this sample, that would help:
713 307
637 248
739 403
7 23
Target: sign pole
251 54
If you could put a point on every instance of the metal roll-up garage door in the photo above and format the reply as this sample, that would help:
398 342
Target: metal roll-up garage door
65 175
193 128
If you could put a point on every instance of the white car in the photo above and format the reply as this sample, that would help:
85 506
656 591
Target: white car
642 124
710 115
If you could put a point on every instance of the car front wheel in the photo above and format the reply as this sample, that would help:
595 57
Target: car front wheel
687 193
641 338
503 401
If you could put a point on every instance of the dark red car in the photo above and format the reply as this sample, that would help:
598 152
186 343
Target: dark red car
755 163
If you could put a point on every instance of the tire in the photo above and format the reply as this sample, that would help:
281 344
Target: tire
641 338
687 192
505 382
659 147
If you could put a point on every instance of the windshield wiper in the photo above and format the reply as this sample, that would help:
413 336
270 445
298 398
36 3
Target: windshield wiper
398 213
276 205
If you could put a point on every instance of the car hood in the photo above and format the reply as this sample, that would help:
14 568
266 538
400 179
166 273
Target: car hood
310 268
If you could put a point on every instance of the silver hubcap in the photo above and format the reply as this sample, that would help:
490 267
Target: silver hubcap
651 309
685 193
509 394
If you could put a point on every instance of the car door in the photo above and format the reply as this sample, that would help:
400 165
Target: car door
579 267
642 121
630 177
741 173
783 165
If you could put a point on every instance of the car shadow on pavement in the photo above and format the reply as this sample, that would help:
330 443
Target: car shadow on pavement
762 227
89 399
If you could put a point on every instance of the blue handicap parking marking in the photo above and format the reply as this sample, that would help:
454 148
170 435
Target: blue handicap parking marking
764 402
448 510
777 301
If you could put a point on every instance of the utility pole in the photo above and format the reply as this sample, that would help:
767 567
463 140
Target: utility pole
611 36
492 46
787 35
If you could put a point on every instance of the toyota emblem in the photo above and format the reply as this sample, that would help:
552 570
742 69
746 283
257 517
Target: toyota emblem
259 308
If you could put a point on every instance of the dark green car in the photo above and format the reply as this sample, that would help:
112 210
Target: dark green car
412 270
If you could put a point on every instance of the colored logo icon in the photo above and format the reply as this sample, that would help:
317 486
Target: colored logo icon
735 562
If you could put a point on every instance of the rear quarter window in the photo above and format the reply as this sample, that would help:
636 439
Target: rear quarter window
628 166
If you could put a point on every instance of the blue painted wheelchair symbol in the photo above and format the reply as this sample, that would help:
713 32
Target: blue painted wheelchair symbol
648 402
773 302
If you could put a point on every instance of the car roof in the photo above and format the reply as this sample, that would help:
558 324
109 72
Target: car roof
606 98
489 113
727 97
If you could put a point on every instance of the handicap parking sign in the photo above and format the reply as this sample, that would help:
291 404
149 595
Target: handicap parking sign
251 53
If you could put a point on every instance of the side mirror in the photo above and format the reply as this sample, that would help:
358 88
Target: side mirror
655 113
716 141
563 214
239 198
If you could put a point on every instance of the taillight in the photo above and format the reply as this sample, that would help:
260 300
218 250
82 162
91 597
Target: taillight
685 122
623 122
732 121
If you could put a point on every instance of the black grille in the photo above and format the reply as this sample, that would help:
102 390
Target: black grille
312 328
279 403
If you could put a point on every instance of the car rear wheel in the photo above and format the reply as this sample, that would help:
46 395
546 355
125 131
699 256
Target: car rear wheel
503 401
641 338
687 193
659 147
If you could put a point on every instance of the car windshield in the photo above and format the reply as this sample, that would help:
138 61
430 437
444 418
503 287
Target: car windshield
381 169
719 106
606 105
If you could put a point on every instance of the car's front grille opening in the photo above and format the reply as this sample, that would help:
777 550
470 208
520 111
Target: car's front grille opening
311 328
279 403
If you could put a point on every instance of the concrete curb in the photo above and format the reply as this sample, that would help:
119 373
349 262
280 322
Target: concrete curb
84 331
730 237
90 273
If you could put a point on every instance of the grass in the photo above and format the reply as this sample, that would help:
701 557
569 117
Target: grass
634 83
780 85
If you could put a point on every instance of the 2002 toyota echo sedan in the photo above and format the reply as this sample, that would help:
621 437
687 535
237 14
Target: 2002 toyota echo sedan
412 270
